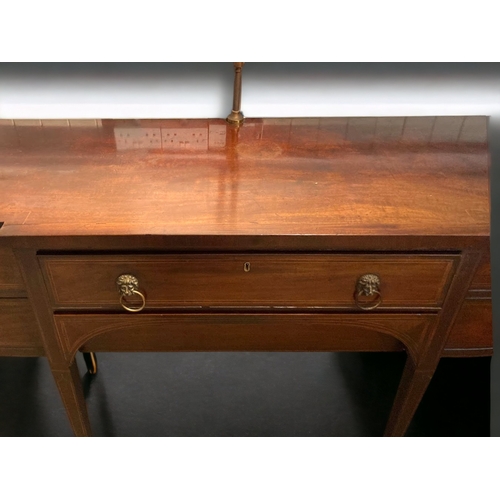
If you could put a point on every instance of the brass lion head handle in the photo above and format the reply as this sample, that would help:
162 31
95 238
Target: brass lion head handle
368 285
128 285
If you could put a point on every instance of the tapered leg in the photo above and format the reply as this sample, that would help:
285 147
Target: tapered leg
411 389
71 391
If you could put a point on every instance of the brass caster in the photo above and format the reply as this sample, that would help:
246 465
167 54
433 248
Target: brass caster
90 362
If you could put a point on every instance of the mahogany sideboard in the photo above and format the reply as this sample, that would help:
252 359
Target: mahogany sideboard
318 234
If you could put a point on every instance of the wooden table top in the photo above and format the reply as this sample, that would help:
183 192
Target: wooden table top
326 176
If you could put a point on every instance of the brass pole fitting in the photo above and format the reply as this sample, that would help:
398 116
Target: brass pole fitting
236 116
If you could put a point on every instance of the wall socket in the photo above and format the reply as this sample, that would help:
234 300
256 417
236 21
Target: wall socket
137 138
197 139
184 138
216 136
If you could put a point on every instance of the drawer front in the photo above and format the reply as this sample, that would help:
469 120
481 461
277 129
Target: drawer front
11 281
243 332
482 279
248 280
18 328
473 328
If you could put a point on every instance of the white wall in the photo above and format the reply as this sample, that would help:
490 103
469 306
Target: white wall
178 90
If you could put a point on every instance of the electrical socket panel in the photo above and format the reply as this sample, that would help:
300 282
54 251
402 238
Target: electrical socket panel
216 136
137 138
173 139
184 138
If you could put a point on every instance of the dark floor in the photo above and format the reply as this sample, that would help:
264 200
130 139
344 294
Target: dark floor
245 394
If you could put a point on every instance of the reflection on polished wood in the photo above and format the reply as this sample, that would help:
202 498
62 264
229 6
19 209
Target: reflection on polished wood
319 176
246 238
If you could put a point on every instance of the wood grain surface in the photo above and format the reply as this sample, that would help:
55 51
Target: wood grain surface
269 177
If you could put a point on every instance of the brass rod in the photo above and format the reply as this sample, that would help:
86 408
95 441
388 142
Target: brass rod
236 116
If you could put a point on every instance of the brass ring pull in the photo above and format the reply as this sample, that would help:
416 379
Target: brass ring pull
134 309
368 285
127 286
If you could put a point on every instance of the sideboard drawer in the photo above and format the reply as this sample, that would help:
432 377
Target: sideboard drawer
243 332
11 281
472 329
248 280
482 278
18 329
